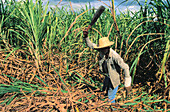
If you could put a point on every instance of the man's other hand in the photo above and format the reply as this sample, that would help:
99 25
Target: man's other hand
85 33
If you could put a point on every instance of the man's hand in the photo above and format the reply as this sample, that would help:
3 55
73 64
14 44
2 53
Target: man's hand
128 89
106 85
85 33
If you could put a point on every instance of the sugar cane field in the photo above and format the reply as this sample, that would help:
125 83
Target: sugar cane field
45 65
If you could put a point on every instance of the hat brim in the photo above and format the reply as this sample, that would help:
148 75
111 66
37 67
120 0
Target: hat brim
100 47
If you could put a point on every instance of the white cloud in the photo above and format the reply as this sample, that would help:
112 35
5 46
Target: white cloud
124 9
131 7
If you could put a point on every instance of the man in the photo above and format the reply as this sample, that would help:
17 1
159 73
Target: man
108 58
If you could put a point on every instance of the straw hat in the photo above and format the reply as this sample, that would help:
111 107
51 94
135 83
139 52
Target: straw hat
104 42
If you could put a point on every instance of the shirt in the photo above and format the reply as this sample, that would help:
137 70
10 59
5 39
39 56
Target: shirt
108 65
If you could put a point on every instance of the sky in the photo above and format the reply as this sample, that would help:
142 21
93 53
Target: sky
78 4
131 5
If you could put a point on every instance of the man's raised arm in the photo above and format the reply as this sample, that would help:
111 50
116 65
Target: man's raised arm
88 41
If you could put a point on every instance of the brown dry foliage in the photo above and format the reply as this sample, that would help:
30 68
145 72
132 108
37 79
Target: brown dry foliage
52 98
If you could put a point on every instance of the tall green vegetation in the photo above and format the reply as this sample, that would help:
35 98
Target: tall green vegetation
52 41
